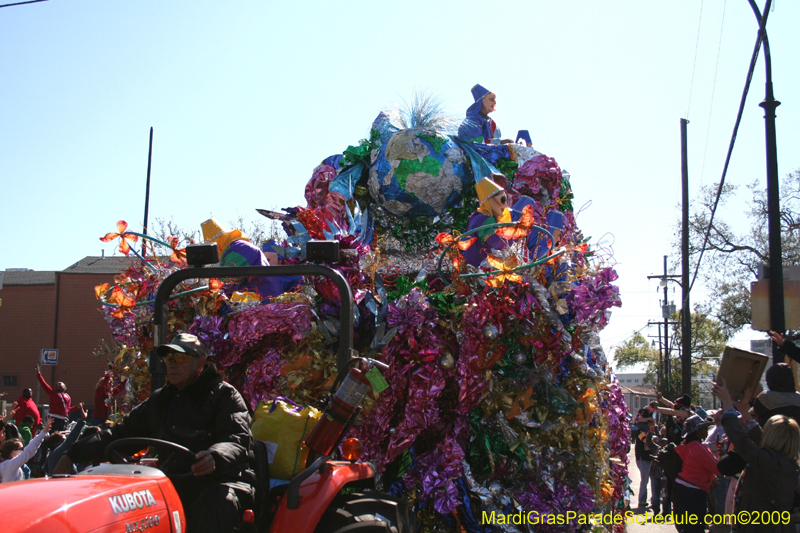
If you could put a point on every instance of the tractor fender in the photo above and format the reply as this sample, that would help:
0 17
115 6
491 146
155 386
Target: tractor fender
316 494
114 501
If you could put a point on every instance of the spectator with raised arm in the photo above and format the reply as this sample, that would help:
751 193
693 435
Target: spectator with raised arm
676 413
103 395
13 455
769 481
55 456
60 402
788 347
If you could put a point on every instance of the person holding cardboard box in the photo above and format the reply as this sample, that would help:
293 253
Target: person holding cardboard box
787 346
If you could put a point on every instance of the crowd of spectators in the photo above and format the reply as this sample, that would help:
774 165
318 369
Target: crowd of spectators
195 409
742 457
31 447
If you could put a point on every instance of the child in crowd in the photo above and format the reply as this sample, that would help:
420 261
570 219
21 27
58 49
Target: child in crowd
26 430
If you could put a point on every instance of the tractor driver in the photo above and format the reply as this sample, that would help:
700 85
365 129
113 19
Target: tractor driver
200 411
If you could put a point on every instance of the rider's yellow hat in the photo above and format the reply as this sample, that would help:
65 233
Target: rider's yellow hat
486 188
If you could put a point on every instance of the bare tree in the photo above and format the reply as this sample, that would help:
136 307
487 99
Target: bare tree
731 259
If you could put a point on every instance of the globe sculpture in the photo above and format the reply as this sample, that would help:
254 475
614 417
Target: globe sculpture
418 173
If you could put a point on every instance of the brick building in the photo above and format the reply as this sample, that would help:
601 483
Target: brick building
54 310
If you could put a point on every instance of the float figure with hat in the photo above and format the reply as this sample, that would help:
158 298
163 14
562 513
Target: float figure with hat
498 396
235 249
478 126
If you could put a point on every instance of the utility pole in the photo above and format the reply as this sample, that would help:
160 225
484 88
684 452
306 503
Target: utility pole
667 310
661 361
686 313
667 366
665 314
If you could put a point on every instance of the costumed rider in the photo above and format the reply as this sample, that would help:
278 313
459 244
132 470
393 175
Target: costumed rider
493 208
525 137
235 249
477 126
200 411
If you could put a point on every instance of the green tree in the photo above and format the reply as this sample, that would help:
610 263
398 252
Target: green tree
732 256
708 341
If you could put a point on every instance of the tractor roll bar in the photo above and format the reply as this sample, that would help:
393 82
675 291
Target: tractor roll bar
157 371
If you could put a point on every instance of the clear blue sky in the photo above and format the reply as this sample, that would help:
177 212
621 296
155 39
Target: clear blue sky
246 98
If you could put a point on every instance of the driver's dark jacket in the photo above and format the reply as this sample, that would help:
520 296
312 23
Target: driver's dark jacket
209 414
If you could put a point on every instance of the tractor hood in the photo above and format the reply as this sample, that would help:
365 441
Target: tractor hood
144 500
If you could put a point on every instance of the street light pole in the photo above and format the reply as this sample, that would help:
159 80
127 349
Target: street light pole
147 192
777 320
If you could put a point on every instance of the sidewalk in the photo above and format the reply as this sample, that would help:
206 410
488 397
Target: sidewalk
633 473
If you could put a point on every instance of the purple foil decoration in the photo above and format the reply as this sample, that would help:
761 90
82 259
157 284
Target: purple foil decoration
412 310
559 501
435 472
289 322
593 296
262 378
421 412
446 501
207 329
375 429
618 437
123 330
472 384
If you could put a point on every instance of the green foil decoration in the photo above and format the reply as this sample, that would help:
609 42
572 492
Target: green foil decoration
360 153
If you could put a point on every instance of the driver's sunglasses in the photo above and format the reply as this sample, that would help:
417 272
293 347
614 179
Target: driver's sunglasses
177 358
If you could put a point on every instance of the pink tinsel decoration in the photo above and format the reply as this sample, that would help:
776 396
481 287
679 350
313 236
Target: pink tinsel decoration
540 175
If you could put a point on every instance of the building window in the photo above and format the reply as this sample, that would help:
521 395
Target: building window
9 381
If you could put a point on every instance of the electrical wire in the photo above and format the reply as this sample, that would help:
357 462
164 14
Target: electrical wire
694 63
713 91
22 3
614 345
750 71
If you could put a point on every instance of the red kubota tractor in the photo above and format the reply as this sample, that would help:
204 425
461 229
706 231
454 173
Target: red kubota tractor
334 493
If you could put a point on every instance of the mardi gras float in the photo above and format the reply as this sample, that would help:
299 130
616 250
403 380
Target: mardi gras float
472 282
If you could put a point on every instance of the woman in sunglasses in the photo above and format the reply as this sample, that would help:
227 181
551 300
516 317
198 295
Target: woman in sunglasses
493 208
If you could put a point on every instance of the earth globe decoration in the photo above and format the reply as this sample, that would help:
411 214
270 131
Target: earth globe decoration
418 172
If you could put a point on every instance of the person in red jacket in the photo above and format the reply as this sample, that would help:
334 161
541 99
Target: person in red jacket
699 470
60 402
26 406
102 397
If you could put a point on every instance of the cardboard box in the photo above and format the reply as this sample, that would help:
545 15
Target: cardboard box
741 369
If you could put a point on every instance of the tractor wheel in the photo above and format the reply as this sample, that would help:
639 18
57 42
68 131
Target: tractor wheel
370 512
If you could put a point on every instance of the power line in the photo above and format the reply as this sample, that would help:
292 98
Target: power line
21 3
694 63
713 90
750 71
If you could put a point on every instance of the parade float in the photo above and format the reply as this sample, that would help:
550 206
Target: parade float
475 286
